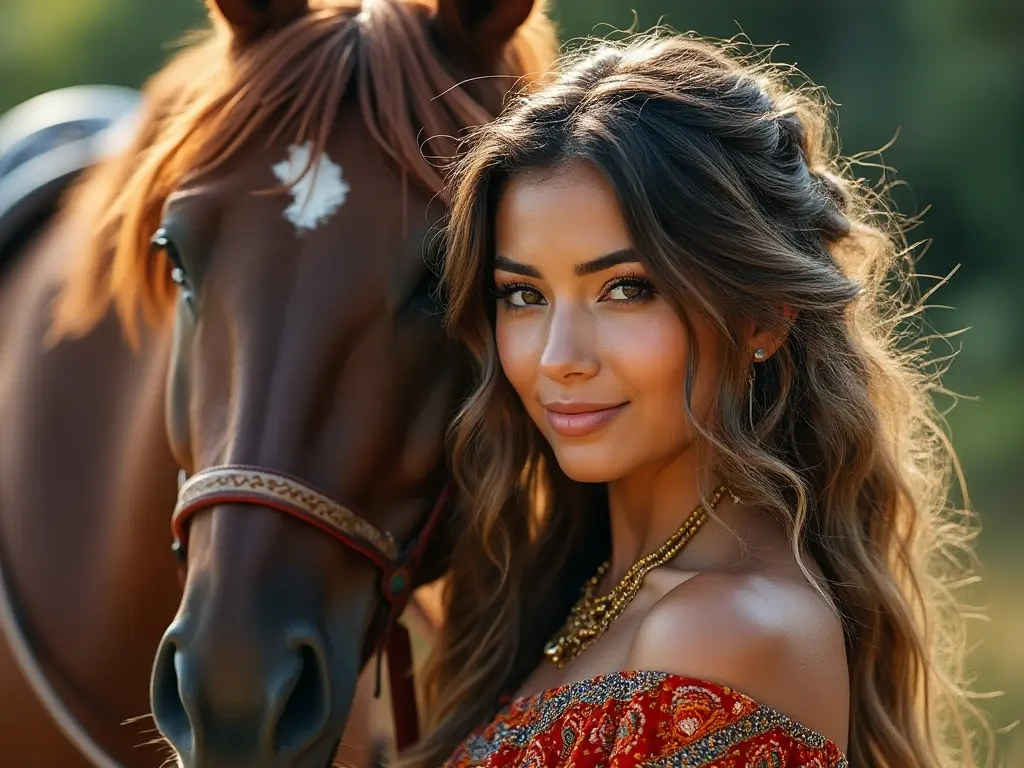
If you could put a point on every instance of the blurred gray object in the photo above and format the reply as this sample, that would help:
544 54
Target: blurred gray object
46 142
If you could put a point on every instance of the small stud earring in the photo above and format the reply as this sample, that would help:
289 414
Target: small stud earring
759 354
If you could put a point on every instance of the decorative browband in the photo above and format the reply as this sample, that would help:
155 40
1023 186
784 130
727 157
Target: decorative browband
244 484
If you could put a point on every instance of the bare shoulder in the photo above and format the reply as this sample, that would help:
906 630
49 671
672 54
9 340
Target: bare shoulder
772 638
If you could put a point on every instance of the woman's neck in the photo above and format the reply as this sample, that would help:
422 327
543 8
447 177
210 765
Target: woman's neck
649 505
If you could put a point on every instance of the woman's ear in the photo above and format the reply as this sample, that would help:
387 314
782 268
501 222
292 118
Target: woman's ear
249 19
765 342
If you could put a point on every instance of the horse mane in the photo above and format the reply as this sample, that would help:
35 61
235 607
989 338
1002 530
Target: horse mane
203 107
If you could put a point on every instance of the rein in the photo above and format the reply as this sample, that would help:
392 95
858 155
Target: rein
37 681
243 484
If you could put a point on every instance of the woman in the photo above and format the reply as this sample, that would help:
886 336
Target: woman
705 484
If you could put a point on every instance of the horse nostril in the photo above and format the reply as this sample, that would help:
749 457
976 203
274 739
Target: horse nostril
169 710
305 712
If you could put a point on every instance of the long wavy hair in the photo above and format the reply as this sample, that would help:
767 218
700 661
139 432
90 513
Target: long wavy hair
738 203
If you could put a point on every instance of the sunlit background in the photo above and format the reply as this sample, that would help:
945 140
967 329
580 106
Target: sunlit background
944 78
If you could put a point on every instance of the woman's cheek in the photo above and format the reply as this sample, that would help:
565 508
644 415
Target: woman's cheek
647 350
517 351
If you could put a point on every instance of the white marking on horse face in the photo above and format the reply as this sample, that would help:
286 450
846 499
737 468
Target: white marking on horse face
320 192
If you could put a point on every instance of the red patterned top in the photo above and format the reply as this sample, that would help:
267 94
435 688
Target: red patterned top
633 719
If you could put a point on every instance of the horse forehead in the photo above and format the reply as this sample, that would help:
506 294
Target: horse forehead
316 183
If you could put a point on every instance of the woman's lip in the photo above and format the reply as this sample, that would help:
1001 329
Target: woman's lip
582 423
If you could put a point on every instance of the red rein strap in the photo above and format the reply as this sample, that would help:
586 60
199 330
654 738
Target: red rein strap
402 687
239 484
398 586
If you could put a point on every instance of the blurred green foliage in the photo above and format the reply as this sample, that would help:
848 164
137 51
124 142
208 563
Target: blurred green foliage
944 77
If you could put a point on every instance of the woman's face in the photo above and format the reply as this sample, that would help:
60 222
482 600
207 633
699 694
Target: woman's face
596 355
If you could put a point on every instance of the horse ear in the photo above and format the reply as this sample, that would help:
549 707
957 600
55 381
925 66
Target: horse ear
477 30
251 18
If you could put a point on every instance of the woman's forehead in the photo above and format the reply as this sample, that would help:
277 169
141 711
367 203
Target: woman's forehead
572 214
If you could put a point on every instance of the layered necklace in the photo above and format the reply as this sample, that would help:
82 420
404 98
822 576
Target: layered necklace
591 616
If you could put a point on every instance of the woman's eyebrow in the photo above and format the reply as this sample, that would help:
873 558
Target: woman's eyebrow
505 264
600 264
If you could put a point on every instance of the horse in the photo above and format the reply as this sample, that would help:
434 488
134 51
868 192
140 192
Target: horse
235 318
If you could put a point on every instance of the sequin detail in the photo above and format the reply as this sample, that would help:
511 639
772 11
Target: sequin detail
644 720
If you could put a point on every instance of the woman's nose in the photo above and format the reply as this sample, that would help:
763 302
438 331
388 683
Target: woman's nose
568 348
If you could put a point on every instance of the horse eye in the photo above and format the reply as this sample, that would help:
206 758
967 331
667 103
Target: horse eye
162 242
426 294
429 283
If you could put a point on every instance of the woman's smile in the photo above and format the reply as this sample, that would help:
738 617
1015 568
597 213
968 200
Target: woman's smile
580 419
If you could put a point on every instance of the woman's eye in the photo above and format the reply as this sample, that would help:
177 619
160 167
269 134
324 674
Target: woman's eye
628 290
522 297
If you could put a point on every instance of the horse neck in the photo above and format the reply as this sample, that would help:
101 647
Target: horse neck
88 485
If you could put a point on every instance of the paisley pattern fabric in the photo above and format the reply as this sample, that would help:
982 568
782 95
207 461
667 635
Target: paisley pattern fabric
634 719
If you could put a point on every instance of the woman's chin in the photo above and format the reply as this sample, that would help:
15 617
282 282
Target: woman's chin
590 464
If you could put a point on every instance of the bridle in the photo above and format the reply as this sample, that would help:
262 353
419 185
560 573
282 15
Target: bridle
254 485
243 484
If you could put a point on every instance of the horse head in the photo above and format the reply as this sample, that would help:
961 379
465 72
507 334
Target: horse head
278 219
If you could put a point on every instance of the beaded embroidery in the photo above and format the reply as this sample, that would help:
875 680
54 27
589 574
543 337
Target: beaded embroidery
641 719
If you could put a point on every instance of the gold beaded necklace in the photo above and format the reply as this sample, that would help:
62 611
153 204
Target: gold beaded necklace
592 615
